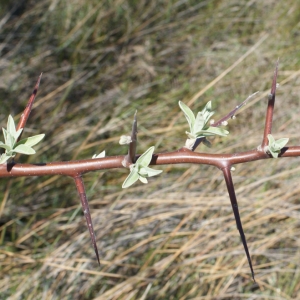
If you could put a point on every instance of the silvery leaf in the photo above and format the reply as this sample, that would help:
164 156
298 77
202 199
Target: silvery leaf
151 172
32 140
6 147
143 179
24 149
281 142
199 123
102 154
4 158
131 179
18 133
188 114
212 131
11 128
145 159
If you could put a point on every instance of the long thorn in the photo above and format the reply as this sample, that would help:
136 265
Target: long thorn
234 111
85 207
27 110
270 109
231 192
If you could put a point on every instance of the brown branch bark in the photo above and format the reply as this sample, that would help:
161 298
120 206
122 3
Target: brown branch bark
183 155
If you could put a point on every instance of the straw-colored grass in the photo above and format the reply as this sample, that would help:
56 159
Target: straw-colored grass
176 237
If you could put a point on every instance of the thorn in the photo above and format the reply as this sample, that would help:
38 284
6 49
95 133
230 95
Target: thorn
234 204
86 211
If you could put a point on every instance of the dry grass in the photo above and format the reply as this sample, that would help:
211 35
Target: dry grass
174 238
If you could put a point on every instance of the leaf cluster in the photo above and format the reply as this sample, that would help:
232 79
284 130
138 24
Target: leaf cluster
199 125
274 147
11 144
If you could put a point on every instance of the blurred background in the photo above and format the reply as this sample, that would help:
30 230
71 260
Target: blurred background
176 237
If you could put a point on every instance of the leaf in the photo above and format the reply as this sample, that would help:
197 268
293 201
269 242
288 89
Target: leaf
18 133
6 147
199 123
24 149
145 159
151 172
188 114
282 142
131 179
275 147
32 140
11 128
9 139
213 131
143 179
5 135
4 158
101 155
271 139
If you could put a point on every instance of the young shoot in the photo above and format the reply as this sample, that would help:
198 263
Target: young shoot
200 125
12 147
140 169
101 155
274 147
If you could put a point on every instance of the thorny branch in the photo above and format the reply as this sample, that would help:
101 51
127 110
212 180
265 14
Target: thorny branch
76 169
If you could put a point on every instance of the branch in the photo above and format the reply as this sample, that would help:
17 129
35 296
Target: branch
183 155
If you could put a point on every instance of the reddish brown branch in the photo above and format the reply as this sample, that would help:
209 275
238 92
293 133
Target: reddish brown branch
183 155
86 211
27 110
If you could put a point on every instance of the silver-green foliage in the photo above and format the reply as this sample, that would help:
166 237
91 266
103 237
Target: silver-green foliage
140 169
274 147
199 125
12 147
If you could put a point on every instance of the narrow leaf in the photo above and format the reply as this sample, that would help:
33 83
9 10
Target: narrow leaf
281 142
188 114
6 147
213 131
5 135
11 128
4 158
145 159
143 179
32 140
101 155
151 172
24 149
18 133
131 179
